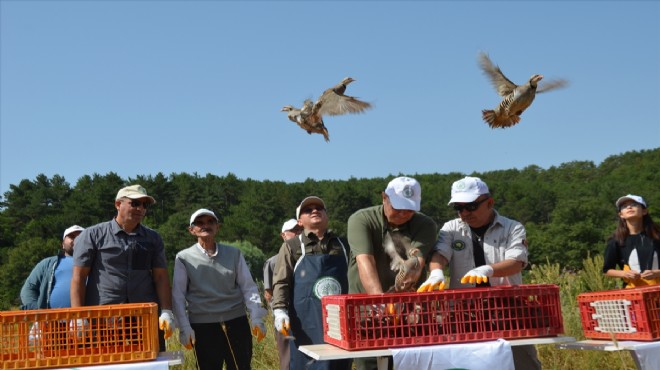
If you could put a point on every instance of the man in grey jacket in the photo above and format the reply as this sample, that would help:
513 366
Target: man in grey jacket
50 281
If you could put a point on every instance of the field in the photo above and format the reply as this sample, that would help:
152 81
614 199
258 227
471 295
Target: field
571 284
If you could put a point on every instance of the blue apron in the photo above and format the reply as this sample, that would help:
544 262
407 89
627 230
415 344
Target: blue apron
314 276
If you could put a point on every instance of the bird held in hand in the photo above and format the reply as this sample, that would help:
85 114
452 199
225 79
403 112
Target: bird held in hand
516 99
332 102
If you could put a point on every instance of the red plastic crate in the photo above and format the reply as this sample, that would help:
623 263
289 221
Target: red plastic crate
632 314
361 321
108 334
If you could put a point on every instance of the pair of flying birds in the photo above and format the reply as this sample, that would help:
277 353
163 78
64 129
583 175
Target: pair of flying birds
516 98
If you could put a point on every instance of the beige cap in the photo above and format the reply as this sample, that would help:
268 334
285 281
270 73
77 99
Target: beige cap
134 192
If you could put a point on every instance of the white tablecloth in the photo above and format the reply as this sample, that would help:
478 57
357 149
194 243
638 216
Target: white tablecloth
474 356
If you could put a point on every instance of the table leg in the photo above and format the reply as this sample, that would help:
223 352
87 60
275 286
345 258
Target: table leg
382 362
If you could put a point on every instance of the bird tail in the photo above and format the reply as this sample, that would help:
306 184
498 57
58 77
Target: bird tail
326 135
495 121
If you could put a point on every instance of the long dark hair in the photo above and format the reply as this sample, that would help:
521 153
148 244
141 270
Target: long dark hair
651 228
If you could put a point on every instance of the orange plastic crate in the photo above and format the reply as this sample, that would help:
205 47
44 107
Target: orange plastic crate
361 321
90 335
631 314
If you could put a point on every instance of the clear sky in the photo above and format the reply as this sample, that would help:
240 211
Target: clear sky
141 87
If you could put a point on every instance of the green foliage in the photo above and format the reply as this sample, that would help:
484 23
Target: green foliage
568 210
254 257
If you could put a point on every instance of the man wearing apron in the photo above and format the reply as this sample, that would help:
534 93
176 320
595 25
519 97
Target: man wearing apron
309 266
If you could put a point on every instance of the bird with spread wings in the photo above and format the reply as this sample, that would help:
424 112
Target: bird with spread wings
516 98
332 102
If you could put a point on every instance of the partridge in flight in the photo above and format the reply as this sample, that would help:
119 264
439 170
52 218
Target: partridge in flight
516 98
332 102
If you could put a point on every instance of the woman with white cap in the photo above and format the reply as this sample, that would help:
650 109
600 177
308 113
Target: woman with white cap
635 244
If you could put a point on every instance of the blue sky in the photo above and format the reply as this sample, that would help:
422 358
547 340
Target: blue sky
141 87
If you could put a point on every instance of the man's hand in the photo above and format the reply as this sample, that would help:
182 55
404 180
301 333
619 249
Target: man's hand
435 281
187 337
259 330
281 321
478 275
166 323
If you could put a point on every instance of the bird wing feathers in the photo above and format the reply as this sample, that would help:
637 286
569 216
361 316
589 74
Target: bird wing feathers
551 85
333 102
502 84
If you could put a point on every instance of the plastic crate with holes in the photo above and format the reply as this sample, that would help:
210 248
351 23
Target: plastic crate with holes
72 337
630 314
361 321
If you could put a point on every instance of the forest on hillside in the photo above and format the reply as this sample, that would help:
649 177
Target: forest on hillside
568 210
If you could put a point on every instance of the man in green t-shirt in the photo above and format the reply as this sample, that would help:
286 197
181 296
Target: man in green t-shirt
370 269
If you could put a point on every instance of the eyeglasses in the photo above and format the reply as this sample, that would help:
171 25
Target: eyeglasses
137 203
470 207
311 209
631 204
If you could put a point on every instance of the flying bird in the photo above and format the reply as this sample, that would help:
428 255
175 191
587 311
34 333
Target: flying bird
516 99
332 102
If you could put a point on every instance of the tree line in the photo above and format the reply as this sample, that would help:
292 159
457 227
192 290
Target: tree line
568 210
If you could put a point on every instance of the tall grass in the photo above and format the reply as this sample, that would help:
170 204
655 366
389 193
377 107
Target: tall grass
570 283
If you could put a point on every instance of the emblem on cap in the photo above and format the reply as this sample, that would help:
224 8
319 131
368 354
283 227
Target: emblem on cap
460 185
408 191
327 285
458 245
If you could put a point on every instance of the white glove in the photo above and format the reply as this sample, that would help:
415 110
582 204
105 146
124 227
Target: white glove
435 281
478 275
166 323
259 330
78 326
281 321
187 337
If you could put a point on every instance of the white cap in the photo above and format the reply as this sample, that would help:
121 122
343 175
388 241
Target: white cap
405 193
635 198
467 190
202 212
307 201
72 229
134 192
289 225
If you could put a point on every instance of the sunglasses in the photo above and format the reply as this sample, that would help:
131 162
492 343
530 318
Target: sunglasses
631 204
470 207
311 209
137 203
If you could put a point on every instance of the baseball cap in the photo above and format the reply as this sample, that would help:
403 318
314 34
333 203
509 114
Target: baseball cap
289 225
202 212
467 190
134 192
405 193
635 198
307 201
72 229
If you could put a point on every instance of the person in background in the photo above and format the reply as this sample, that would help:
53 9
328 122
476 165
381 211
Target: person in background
309 266
123 261
369 269
635 244
481 248
212 289
289 230
49 283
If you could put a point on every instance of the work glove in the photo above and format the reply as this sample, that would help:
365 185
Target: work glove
281 321
187 337
259 330
478 275
166 323
78 327
435 281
